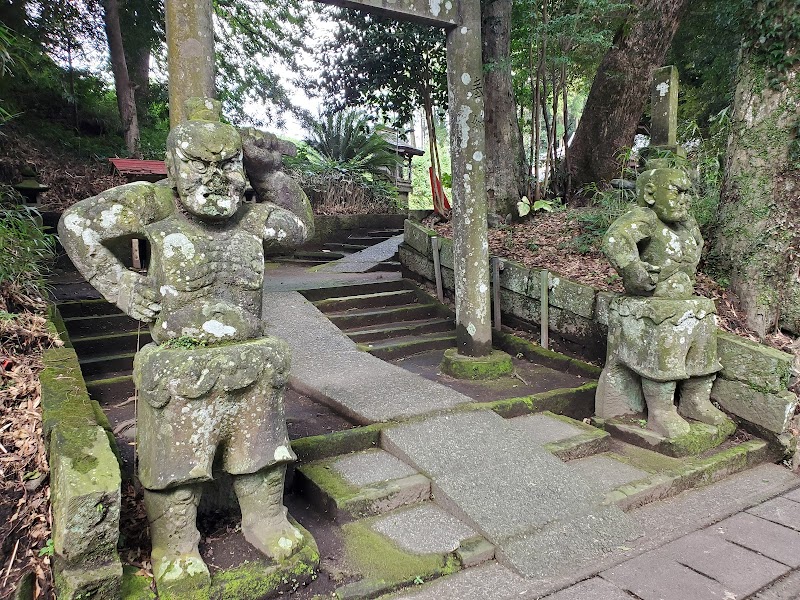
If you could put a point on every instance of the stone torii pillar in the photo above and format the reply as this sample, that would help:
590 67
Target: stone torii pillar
190 53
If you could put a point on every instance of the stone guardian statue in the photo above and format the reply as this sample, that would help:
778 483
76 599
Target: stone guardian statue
661 337
211 383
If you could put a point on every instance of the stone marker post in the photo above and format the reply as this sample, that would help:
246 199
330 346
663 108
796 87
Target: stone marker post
664 107
190 53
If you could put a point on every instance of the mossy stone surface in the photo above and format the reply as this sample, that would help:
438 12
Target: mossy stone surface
762 368
317 447
701 437
493 366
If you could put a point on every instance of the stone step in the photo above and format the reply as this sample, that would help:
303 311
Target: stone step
347 247
542 516
368 240
103 365
109 390
315 295
361 484
370 300
387 266
566 438
101 324
326 256
87 308
300 262
127 341
362 318
402 347
394 330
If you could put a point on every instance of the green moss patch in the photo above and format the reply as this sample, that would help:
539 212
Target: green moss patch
701 437
386 567
318 447
576 402
533 352
492 366
136 586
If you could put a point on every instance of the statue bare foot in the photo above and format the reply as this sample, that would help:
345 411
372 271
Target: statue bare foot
662 415
696 404
265 523
178 568
274 537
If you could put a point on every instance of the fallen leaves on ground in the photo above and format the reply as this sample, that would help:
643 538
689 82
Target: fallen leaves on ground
25 520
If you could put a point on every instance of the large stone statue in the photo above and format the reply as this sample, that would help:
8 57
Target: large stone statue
661 337
210 384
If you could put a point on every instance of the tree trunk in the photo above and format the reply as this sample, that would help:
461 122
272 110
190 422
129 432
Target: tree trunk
505 154
122 82
621 88
758 236
139 69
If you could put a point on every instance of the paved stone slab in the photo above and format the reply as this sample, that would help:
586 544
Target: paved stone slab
605 474
372 466
544 429
489 581
793 495
695 509
364 260
488 473
591 589
770 539
779 510
787 588
424 529
740 570
652 577
329 366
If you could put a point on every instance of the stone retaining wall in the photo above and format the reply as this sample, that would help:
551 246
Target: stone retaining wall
751 386
84 480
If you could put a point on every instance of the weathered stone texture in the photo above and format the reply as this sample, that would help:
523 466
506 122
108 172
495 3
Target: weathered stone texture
762 368
573 297
772 411
418 237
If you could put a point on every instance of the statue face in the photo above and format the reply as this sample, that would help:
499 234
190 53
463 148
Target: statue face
209 177
670 196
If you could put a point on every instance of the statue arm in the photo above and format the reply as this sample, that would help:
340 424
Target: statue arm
621 246
87 228
263 165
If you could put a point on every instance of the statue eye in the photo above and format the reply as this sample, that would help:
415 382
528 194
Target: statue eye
199 166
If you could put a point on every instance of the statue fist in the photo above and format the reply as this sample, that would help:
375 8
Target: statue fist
640 278
137 298
262 151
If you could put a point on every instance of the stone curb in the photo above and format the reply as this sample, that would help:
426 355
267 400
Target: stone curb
85 480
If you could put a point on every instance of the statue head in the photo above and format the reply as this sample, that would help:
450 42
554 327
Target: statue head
666 191
204 162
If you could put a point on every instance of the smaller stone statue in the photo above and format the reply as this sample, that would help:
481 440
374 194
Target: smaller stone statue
661 337
211 382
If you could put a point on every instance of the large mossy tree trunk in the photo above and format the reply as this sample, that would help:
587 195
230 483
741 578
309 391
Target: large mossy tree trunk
758 234
505 155
621 88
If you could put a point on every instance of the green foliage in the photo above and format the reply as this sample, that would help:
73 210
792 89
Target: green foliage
48 549
252 38
607 206
524 206
390 66
27 249
705 51
186 342
773 36
343 165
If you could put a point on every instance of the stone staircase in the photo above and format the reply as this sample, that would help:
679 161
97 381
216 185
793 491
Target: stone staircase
315 255
390 320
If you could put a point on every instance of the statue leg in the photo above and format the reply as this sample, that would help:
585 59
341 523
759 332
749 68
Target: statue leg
264 518
177 565
662 414
695 401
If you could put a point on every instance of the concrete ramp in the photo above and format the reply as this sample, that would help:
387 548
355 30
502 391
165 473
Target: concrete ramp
542 515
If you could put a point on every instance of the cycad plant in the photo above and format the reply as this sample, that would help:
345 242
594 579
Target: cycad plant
346 166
